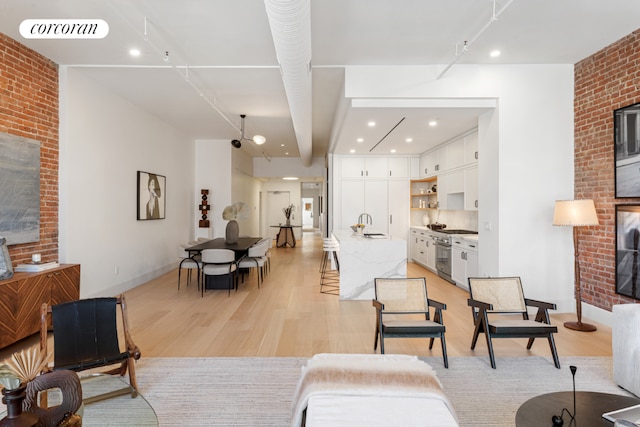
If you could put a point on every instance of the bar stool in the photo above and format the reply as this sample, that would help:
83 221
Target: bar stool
329 277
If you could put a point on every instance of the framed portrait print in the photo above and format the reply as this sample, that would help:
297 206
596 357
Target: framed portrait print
151 195
626 124
627 245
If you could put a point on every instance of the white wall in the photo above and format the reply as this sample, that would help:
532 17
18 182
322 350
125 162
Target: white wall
213 168
529 142
104 141
278 167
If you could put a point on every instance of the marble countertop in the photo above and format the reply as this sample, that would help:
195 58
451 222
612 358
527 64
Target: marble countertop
344 235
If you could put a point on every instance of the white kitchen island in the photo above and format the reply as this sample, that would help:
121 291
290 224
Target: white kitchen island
363 259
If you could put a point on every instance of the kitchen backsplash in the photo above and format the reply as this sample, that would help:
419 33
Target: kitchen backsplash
467 220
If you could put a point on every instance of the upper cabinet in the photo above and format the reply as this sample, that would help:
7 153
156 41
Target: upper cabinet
374 167
471 149
460 153
430 163
399 167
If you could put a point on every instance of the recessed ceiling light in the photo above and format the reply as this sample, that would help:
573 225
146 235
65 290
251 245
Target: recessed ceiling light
494 53
281 145
286 154
371 123
352 151
409 140
134 52
433 123
360 140
290 178
393 150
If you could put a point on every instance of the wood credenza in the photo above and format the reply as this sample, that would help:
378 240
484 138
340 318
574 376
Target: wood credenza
23 294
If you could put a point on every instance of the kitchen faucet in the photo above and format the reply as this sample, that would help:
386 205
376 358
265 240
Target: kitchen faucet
365 217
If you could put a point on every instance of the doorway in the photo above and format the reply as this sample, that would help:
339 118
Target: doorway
276 201
307 213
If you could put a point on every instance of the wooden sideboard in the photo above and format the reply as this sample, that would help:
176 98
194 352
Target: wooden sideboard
23 294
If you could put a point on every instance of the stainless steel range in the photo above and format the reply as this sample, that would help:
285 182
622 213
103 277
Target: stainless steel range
443 250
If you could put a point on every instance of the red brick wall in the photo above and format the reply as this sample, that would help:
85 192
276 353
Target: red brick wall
605 81
29 108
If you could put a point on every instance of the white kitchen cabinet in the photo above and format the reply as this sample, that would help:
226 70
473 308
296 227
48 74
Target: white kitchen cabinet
472 262
370 196
430 163
398 202
471 189
423 249
451 190
431 253
398 167
471 149
363 167
413 245
454 155
458 263
464 261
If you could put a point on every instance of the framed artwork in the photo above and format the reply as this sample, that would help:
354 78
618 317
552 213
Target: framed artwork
626 124
627 246
151 195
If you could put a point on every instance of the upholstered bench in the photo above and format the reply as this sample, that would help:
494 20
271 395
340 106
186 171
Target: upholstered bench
625 340
370 390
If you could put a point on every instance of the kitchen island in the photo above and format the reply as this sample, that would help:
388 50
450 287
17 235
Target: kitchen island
362 259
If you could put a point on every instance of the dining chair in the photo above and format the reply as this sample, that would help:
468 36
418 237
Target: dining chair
256 258
219 262
189 263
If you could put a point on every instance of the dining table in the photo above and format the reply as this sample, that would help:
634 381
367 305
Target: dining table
240 248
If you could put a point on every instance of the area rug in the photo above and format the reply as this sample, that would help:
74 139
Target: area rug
258 391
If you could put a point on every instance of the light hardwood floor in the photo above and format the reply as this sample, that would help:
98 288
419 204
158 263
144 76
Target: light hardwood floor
288 316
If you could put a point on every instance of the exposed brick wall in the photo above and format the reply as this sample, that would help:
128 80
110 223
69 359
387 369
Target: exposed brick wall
605 81
29 108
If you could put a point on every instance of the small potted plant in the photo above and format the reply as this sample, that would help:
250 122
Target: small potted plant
288 213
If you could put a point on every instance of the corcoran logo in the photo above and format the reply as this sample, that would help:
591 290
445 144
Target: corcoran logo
64 29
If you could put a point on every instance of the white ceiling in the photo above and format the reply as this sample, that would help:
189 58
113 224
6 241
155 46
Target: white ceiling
222 60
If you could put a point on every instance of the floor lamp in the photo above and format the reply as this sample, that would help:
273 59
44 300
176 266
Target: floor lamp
576 213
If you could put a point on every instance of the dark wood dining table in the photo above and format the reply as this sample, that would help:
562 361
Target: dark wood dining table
240 248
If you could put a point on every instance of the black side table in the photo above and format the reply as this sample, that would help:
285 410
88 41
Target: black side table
590 406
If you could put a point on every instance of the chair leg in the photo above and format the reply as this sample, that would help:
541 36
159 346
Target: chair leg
431 343
476 333
530 343
132 377
554 353
179 270
375 342
444 351
490 348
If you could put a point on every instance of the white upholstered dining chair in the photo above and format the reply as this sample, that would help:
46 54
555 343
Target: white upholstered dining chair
219 262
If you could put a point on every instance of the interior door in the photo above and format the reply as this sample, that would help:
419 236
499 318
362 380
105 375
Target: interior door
276 201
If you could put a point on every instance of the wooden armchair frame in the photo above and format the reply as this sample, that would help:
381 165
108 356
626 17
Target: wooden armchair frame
416 302
489 306
123 355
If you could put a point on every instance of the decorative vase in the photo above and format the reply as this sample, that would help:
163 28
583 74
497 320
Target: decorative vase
232 232
68 384
15 417
288 222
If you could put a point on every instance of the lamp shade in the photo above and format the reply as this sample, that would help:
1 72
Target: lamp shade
575 213
259 139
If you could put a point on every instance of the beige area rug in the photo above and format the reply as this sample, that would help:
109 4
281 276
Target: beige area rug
258 391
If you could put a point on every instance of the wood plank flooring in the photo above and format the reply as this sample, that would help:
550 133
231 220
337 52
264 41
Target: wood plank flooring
288 316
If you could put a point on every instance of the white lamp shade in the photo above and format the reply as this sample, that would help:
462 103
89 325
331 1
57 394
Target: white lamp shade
575 213
259 139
